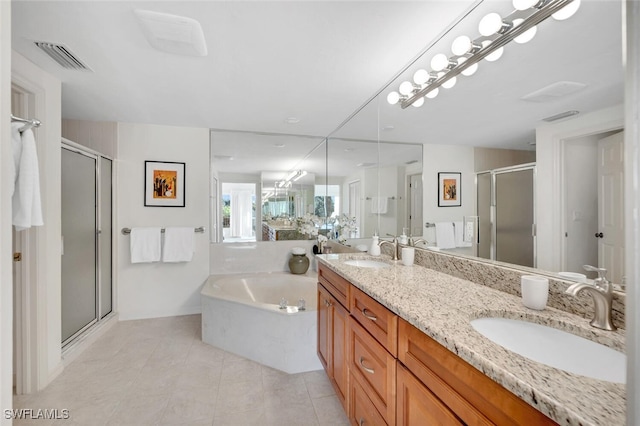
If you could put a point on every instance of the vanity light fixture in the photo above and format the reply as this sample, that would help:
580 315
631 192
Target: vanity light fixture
495 33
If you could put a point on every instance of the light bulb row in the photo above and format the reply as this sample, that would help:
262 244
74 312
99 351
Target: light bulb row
445 69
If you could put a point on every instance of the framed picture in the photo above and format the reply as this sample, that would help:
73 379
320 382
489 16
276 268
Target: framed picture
449 189
164 184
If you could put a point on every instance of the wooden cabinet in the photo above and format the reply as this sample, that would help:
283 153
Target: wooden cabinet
387 372
417 405
467 392
333 320
375 370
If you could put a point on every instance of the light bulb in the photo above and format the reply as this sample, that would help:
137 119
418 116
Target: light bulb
524 4
421 77
406 88
393 98
567 11
449 83
432 94
494 56
439 62
418 103
490 24
461 45
469 71
527 36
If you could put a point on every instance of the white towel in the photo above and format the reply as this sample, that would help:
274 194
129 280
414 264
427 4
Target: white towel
445 238
178 245
146 244
379 205
25 179
459 234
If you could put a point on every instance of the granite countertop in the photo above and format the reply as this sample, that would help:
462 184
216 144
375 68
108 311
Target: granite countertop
442 306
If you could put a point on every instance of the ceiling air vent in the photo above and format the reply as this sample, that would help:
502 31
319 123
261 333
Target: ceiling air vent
62 55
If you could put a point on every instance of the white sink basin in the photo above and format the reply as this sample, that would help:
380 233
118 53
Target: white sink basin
555 348
363 263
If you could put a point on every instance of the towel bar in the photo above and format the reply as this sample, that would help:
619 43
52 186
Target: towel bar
127 231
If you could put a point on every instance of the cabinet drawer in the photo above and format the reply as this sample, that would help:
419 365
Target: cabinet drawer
471 395
374 368
362 412
418 406
380 322
335 284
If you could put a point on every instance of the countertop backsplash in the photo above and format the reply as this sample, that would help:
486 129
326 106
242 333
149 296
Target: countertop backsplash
507 279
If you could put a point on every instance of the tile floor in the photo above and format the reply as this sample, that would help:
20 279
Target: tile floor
159 372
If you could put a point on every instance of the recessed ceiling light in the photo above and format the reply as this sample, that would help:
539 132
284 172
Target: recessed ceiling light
348 149
223 157
554 91
292 120
388 128
366 164
278 145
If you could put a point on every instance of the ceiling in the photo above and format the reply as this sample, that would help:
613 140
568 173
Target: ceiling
320 62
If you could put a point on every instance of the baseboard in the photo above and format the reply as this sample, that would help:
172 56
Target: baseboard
79 345
188 310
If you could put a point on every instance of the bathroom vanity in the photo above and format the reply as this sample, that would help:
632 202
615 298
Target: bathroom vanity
398 347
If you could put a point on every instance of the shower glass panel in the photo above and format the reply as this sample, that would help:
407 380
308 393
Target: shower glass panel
483 187
105 242
515 217
79 277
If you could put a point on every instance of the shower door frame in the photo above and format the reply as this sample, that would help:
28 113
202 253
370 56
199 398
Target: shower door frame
101 318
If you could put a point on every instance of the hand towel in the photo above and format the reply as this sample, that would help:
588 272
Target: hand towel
458 229
379 205
145 245
445 238
178 245
25 179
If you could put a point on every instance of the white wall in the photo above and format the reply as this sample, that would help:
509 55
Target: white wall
549 184
157 290
6 289
447 158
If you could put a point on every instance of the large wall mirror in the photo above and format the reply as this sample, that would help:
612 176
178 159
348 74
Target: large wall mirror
530 121
531 125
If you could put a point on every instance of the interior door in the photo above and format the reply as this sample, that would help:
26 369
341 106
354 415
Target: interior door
415 205
354 203
79 265
610 233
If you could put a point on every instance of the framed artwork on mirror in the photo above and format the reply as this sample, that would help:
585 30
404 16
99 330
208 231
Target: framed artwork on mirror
449 194
164 184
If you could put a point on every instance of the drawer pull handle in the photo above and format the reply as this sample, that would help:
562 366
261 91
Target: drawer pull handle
368 316
361 422
368 370
327 303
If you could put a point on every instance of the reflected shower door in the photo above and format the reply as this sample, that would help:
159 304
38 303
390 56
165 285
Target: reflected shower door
104 238
79 274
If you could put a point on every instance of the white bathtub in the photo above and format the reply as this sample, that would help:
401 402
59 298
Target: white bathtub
241 314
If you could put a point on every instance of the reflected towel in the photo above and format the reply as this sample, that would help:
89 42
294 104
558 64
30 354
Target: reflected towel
25 179
445 238
379 205
145 245
178 245
458 229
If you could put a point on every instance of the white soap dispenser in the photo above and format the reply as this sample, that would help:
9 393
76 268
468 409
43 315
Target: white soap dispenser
375 246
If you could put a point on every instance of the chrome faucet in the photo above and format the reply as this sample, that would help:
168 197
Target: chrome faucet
602 292
394 243
415 242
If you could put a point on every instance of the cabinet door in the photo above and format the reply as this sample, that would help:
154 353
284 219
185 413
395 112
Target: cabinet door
417 406
324 328
339 323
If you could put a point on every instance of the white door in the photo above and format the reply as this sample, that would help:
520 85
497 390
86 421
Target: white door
354 204
610 232
415 205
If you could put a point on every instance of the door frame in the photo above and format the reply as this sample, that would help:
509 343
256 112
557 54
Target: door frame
561 158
